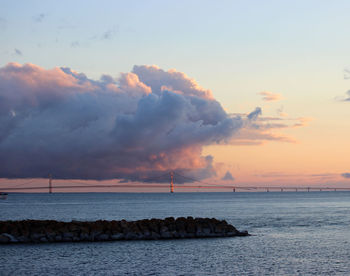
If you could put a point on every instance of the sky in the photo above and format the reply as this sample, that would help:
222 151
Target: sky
231 92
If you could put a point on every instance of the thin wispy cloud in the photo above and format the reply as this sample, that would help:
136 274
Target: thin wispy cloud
302 121
346 74
279 177
281 113
259 129
269 96
17 52
307 175
39 17
75 44
108 34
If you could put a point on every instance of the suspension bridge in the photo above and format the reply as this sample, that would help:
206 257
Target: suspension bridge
176 181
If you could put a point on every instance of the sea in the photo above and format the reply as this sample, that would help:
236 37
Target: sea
292 233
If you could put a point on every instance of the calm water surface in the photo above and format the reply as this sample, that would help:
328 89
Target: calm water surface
293 234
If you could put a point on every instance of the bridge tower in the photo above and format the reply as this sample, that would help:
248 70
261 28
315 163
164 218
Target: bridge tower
50 183
171 182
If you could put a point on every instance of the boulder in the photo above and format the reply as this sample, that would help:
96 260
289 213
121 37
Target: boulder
155 236
103 237
164 233
35 237
58 238
11 237
117 237
4 238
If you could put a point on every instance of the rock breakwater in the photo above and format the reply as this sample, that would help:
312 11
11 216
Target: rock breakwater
42 231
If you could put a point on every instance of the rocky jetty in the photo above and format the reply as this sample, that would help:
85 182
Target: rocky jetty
41 231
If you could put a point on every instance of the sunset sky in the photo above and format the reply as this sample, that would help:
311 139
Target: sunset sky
101 90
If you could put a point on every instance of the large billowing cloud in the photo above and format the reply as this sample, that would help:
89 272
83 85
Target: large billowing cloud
146 122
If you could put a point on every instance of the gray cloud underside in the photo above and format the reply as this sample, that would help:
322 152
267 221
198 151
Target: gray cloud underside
345 175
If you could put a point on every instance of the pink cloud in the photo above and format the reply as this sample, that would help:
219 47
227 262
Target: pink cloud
269 96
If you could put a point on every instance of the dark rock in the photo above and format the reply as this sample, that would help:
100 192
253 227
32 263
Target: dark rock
116 227
103 237
180 224
155 236
68 235
206 231
131 236
43 239
4 238
182 234
102 230
191 226
219 228
11 237
23 239
36 236
84 236
58 238
164 232
117 237
189 235
154 225
243 233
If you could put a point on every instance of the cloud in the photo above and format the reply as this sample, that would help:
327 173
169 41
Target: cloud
347 97
109 34
302 121
280 112
18 52
345 175
75 44
39 17
258 129
254 114
144 123
269 96
284 175
228 176
346 74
